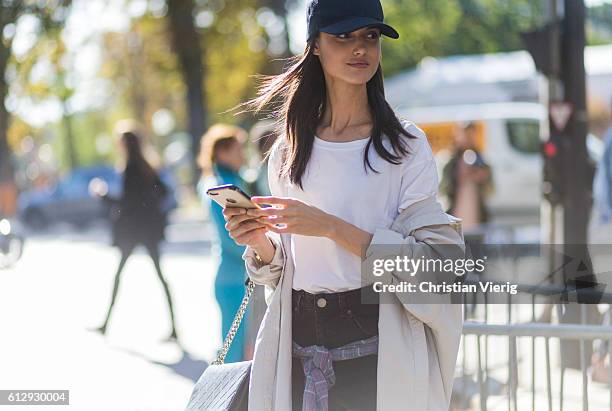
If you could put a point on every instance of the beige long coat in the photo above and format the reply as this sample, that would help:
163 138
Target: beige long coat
418 343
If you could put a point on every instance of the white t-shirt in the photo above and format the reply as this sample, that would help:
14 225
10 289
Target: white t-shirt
336 182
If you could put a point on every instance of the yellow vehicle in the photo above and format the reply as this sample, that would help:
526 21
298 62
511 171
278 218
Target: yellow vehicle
441 135
508 136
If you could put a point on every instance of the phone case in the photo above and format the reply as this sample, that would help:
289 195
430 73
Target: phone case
230 196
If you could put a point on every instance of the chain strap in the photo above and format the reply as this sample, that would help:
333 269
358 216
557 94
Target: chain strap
234 328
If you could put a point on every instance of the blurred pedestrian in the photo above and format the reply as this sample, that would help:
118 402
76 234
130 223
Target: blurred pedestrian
467 179
600 244
138 217
221 159
601 222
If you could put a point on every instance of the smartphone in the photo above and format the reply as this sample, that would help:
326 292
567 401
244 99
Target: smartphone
229 195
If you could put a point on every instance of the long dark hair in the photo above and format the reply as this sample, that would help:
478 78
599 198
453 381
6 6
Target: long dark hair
131 137
299 99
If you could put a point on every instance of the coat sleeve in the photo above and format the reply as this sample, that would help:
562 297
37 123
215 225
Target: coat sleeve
419 175
269 274
423 230
265 274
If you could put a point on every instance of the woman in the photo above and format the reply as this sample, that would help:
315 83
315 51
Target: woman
345 175
221 158
138 216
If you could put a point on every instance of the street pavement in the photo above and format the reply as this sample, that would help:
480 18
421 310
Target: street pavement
61 289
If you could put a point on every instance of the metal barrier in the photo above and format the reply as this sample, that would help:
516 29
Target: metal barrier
519 327
581 332
534 330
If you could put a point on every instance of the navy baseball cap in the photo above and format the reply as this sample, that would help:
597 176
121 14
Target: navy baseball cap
344 16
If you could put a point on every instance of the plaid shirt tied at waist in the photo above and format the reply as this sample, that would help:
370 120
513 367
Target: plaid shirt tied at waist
320 377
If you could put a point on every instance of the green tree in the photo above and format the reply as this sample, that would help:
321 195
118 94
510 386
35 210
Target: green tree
51 51
215 60
50 13
488 26
148 72
186 44
445 27
425 27
144 72
599 24
281 9
236 50
8 15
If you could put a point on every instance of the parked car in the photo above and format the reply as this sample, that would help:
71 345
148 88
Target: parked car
70 200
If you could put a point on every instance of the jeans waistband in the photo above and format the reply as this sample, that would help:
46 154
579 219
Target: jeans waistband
360 297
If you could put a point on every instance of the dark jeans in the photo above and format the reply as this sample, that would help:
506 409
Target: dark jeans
342 318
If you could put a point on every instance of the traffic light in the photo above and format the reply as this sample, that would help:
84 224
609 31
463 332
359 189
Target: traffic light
552 186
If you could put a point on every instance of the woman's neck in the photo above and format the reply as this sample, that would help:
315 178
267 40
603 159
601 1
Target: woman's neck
347 114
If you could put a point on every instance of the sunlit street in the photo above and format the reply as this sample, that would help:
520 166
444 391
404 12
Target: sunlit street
61 288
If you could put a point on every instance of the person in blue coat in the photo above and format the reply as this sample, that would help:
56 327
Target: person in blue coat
221 158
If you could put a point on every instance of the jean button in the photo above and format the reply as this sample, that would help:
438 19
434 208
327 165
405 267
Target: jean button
321 302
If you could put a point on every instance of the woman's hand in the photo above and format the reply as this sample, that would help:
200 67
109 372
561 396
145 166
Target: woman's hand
296 216
243 228
246 230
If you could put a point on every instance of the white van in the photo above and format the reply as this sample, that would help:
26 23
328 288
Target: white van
509 139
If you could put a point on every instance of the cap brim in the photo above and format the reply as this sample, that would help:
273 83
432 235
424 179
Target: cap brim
356 23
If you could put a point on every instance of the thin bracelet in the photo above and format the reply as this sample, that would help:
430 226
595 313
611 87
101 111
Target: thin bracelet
257 257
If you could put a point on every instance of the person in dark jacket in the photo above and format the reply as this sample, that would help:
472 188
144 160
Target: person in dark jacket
467 179
138 216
